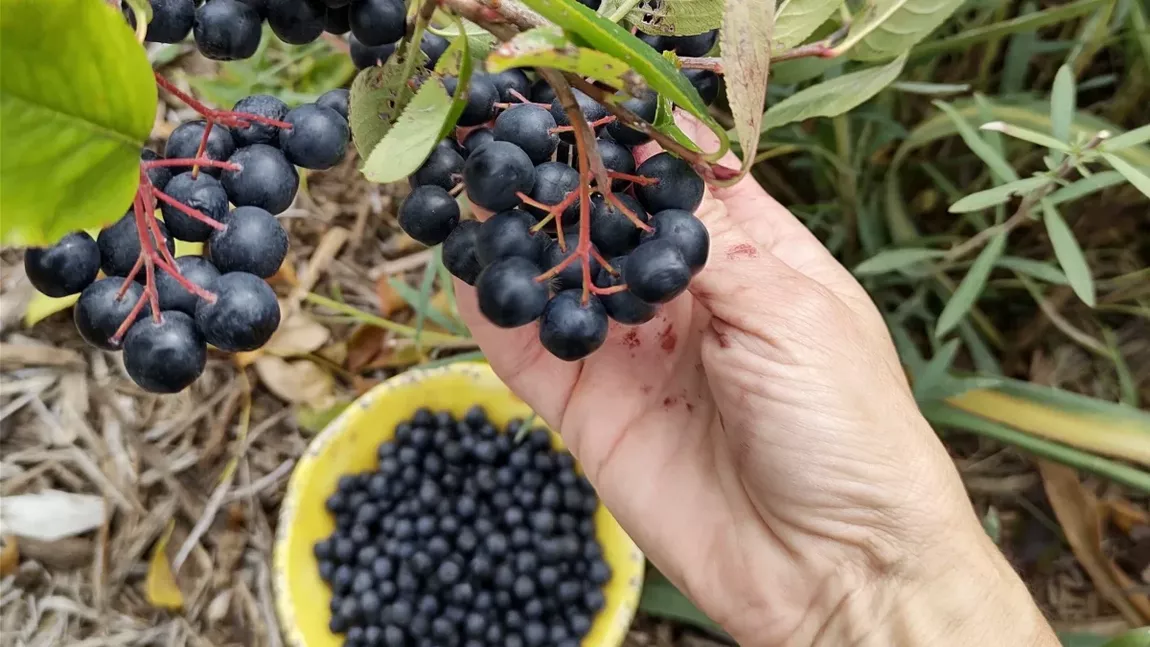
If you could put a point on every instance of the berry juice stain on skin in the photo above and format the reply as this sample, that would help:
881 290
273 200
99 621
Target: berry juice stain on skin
724 342
742 250
631 339
668 339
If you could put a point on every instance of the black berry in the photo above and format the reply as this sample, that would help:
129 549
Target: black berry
705 82
656 272
203 193
262 105
643 106
378 22
159 176
554 181
506 234
509 296
227 30
481 99
336 99
317 139
365 57
429 214
695 45
617 157
65 268
687 233
459 252
98 313
569 277
173 296
592 111
337 20
297 22
120 246
252 241
475 139
171 20
266 179
509 82
678 186
529 127
164 356
496 173
244 315
443 168
542 92
624 307
184 142
570 329
612 232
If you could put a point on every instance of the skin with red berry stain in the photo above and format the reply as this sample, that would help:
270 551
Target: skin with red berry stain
742 250
631 339
668 339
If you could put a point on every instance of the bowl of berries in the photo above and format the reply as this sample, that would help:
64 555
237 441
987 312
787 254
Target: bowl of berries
430 513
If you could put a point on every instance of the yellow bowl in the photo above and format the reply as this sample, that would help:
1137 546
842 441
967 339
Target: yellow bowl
348 445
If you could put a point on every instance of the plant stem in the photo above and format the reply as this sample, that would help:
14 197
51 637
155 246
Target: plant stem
435 338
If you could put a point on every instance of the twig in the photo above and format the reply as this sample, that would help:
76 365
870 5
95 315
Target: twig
258 485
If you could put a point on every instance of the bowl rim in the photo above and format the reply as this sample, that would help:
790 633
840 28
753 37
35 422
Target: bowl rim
284 606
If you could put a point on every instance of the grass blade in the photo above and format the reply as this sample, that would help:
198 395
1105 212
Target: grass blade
1068 253
1133 175
997 164
895 259
971 287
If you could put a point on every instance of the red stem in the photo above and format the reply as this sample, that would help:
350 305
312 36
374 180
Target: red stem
149 252
618 204
130 319
602 261
189 161
224 117
614 289
637 179
203 145
193 213
131 277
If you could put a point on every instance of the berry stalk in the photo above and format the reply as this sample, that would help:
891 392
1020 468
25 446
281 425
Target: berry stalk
189 161
190 212
227 118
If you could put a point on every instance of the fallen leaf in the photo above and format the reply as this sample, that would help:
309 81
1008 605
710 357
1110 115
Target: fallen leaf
51 514
313 420
335 353
160 586
362 385
389 300
9 556
298 382
298 334
65 554
1126 515
43 306
400 355
364 346
1079 515
285 275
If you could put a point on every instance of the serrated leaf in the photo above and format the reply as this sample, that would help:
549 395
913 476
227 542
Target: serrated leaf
1025 134
971 287
833 97
1086 186
1063 105
746 43
679 17
797 19
979 146
888 28
378 96
548 47
1068 253
1133 175
895 259
142 12
415 134
1000 194
591 30
1135 137
77 101
1037 269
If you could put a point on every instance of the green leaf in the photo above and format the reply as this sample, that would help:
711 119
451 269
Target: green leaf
548 47
665 123
1000 194
1027 22
971 287
77 101
996 162
415 134
1063 105
599 33
456 61
1068 253
1135 638
1086 186
930 89
1140 180
681 17
927 381
1026 135
142 11
661 599
1135 137
378 96
795 20
834 97
888 28
746 43
1037 269
895 259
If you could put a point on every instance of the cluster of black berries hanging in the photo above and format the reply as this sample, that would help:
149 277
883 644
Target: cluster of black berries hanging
464 537
543 255
245 157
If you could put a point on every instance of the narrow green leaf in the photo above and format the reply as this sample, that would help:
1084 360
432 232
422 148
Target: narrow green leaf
930 89
997 164
1136 137
888 28
1000 194
797 19
895 259
548 47
1037 269
681 17
1068 253
1026 135
456 61
746 43
661 599
1086 186
1134 638
415 134
599 33
834 97
1026 23
927 381
378 96
422 307
1139 17
77 101
665 123
1063 105
971 287
1133 175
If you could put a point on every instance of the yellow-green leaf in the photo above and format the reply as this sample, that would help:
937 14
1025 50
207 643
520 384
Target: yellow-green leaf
678 17
415 134
797 19
378 96
548 47
888 28
42 306
142 12
160 586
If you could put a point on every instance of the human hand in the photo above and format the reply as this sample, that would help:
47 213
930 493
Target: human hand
760 443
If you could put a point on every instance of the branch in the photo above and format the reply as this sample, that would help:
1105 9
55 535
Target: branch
582 130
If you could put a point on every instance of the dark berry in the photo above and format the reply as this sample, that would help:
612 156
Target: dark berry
164 356
529 127
511 80
623 307
448 572
337 20
678 186
378 22
592 111
459 252
65 268
475 139
336 99
570 277
171 20
434 46
443 168
591 4
657 42
342 578
509 295
244 315
266 179
612 232
120 246
203 193
365 57
262 105
695 45
617 157
656 271
159 176
706 83
184 141
643 106
98 313
553 182
506 234
173 296
570 329
481 99
496 173
252 241
687 233
542 92
297 22
429 214
260 6
317 139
